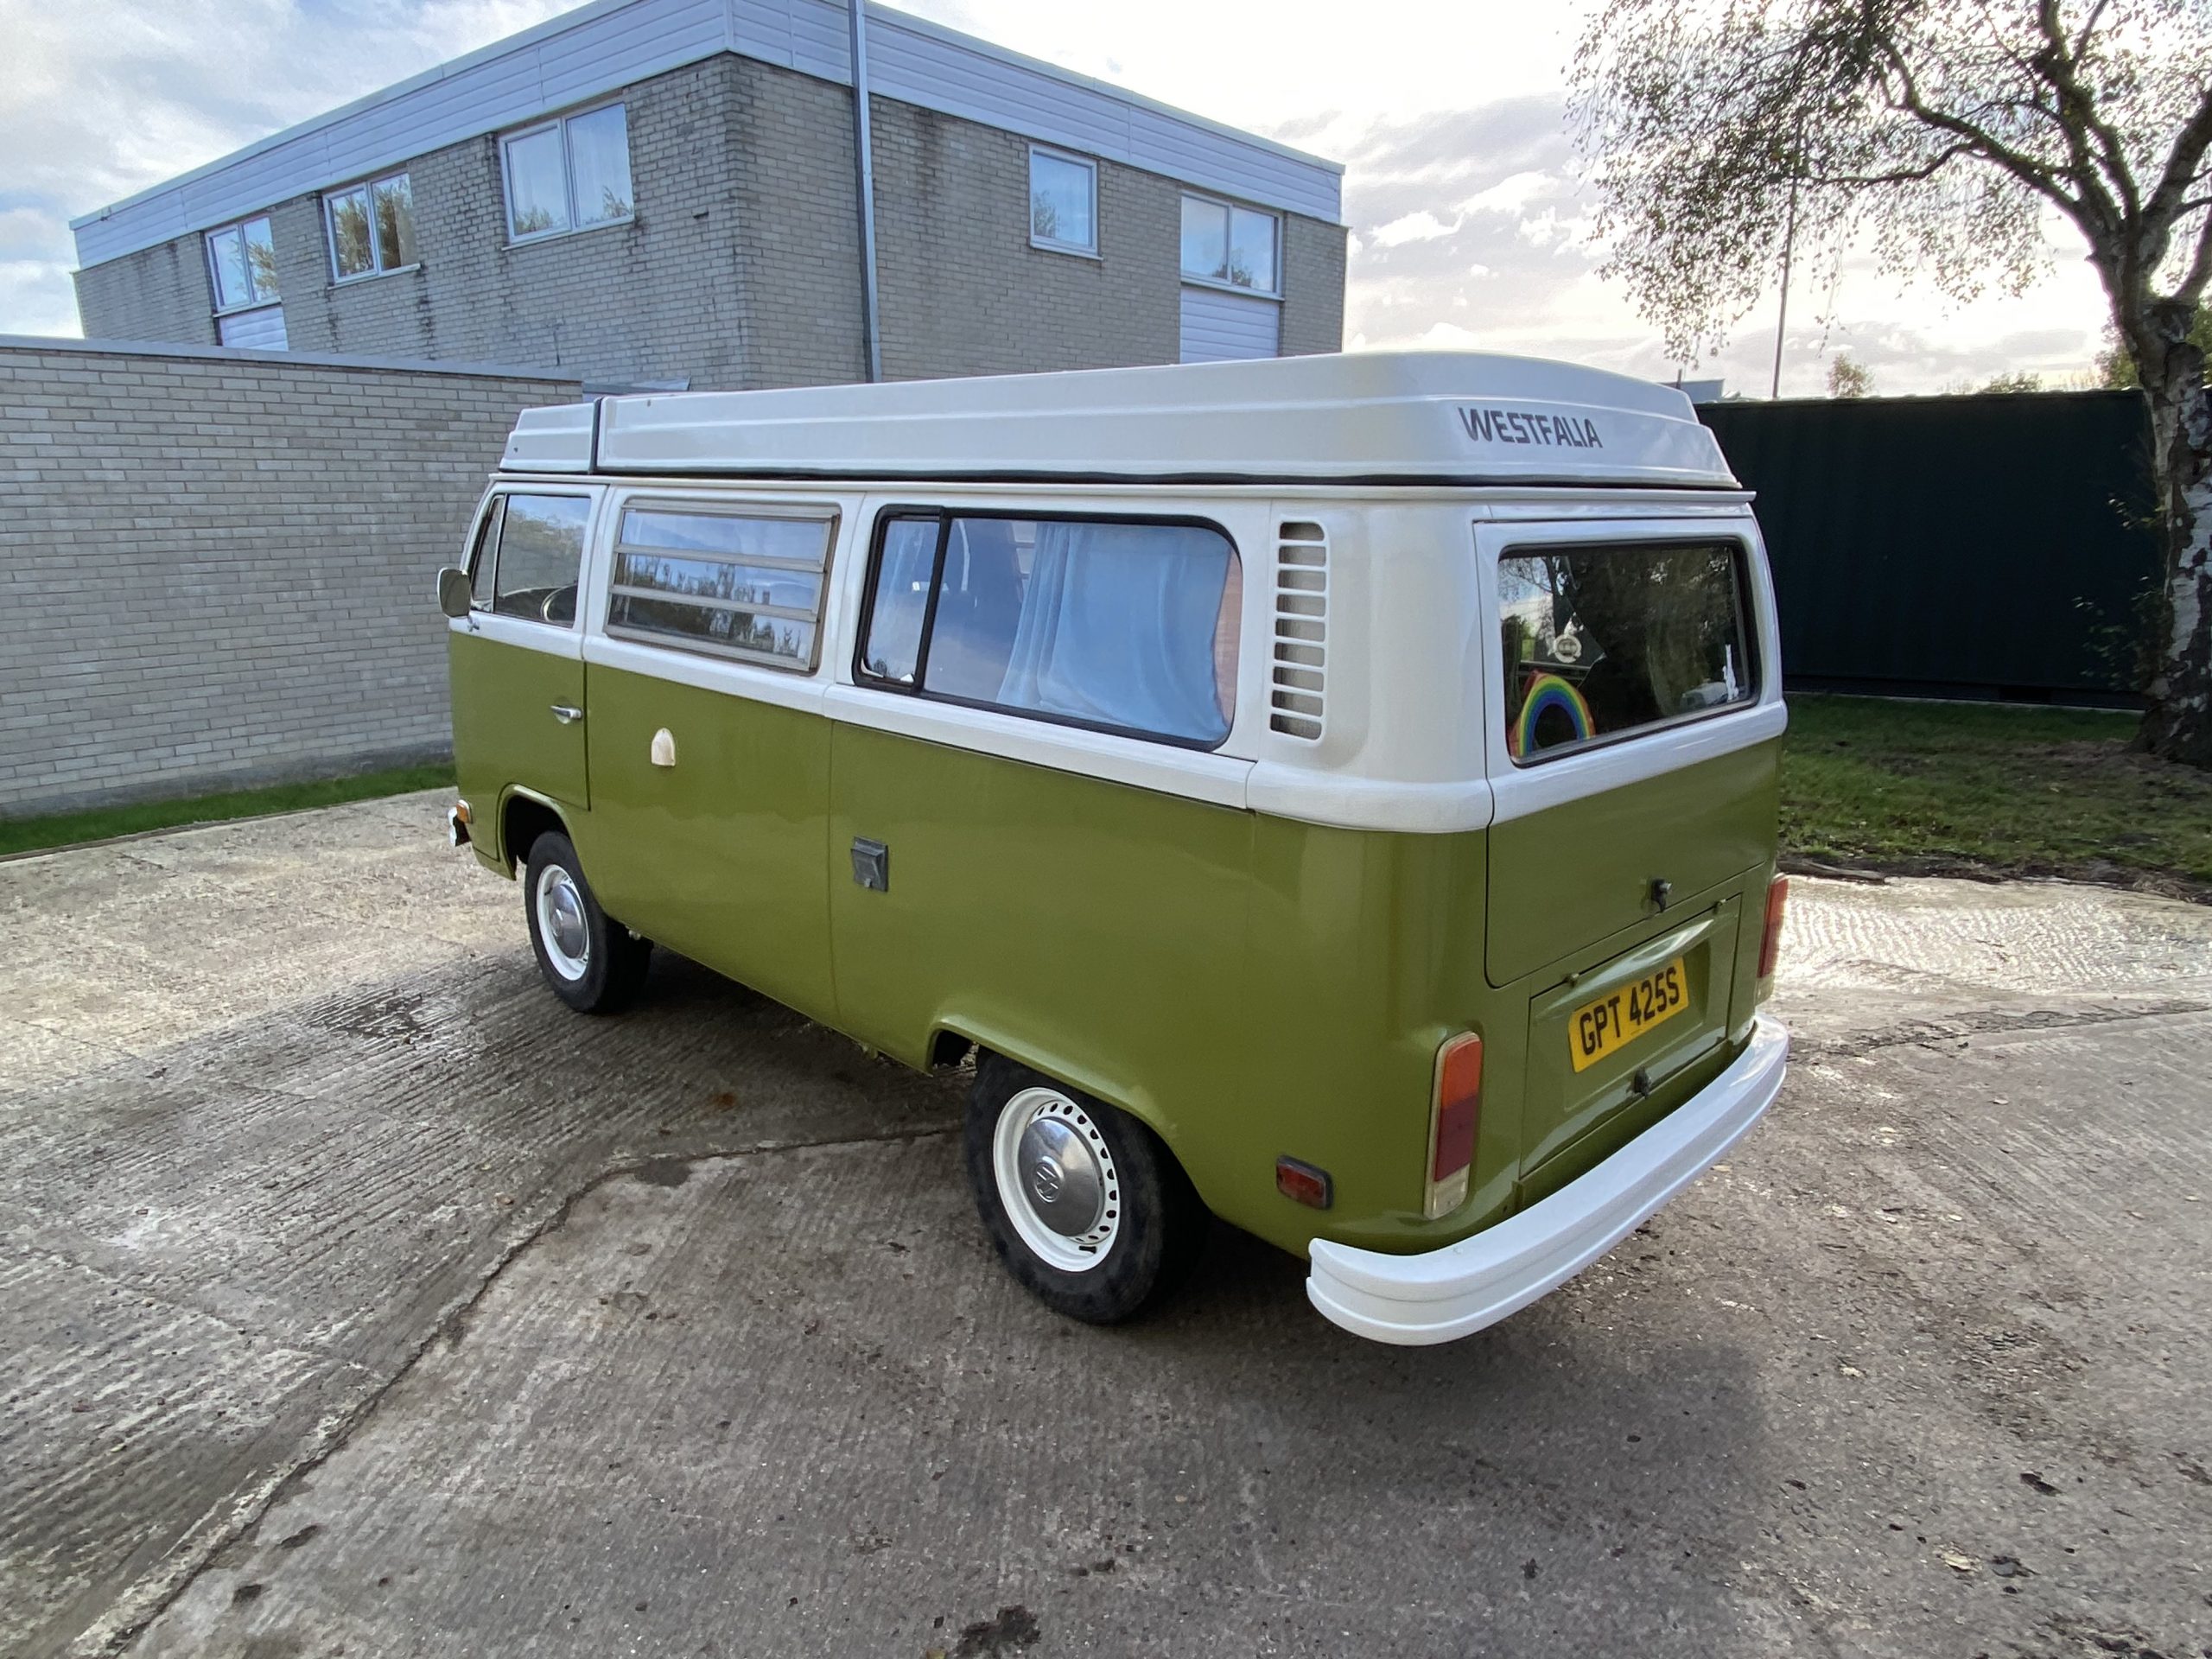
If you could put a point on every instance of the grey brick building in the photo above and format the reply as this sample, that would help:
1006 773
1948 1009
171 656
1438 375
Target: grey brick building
664 192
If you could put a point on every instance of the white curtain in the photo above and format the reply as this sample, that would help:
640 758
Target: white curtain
1117 627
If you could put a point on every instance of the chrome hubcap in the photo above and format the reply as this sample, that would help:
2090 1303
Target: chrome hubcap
1062 1177
561 925
1057 1178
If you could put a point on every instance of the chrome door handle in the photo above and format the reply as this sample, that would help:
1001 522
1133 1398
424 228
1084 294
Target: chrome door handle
566 713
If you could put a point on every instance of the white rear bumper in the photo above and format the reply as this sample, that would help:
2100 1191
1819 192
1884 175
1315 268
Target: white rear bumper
1453 1291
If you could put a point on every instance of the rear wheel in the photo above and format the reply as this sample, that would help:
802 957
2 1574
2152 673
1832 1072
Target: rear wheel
1085 1204
593 963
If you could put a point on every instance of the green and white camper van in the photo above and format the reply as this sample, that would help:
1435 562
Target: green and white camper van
1336 793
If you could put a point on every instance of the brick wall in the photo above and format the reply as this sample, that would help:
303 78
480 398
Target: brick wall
963 292
740 266
657 297
220 564
1312 286
158 293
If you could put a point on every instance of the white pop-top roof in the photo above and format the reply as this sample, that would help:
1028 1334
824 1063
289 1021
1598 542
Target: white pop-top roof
1415 418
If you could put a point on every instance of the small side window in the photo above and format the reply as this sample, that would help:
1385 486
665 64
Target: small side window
541 552
900 599
731 584
485 555
1126 625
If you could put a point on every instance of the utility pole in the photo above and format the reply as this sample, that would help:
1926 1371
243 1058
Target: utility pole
864 160
1788 247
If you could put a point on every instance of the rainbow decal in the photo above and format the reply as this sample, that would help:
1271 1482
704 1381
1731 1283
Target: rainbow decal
1545 692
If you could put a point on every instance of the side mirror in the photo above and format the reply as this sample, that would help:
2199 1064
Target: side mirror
455 597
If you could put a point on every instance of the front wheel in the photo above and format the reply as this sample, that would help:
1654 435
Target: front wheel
1085 1204
593 963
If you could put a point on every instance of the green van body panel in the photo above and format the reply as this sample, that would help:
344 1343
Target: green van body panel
1584 869
1249 986
505 736
721 856
1091 930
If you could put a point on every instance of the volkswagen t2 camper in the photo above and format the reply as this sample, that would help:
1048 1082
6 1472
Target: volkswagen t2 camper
1333 794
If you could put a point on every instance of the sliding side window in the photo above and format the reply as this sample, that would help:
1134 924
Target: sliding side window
747 585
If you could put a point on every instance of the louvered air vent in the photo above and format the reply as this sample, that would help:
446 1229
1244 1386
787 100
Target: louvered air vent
1299 674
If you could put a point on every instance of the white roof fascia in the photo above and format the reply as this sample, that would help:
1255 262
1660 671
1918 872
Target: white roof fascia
526 75
1413 418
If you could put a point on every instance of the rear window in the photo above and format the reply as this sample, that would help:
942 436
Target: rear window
1604 640
1126 626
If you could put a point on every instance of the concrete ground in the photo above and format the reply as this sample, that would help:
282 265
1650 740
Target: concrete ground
354 1297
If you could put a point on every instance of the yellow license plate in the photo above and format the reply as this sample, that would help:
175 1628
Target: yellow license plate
1609 1023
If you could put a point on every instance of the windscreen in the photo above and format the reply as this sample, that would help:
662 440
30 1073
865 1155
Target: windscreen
1606 639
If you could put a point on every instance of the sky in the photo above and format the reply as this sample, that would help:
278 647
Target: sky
1468 228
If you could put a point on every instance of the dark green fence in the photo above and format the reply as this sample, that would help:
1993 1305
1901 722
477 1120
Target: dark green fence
1996 545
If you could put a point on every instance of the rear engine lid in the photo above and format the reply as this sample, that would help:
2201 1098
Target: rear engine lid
1619 1031
1572 875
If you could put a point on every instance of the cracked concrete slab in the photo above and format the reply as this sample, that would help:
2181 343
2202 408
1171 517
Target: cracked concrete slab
363 1299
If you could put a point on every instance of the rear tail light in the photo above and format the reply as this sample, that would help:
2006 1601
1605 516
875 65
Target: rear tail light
1777 902
1455 1112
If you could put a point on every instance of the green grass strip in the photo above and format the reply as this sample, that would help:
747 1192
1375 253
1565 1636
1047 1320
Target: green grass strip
101 824
2002 789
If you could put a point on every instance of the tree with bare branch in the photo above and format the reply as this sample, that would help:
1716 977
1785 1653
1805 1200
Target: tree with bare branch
1942 134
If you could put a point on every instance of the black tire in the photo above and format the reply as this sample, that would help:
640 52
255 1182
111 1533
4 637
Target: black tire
613 960
1159 1220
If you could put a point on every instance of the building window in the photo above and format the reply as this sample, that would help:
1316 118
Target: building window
568 174
242 261
1229 245
371 227
1063 202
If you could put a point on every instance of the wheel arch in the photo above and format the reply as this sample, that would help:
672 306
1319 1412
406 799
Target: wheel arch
524 815
953 1036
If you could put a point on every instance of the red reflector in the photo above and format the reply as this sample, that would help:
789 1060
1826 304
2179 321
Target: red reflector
1303 1182
1777 902
1458 1105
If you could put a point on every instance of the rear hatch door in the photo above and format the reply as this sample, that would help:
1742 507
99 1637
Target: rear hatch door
1634 761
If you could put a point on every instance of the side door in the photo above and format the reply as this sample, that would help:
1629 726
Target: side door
516 658
709 753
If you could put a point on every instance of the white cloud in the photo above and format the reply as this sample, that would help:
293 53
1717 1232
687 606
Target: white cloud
1450 337
1420 226
1511 194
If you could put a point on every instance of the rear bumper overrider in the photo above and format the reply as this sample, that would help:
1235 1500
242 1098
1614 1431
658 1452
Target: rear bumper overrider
1438 1295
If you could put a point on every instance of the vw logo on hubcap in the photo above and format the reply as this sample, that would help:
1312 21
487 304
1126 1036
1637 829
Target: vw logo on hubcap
1064 1190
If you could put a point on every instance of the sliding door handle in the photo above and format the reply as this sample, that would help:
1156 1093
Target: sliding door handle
566 713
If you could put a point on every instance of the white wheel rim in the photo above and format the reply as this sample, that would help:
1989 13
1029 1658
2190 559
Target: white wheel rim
1029 1187
562 926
